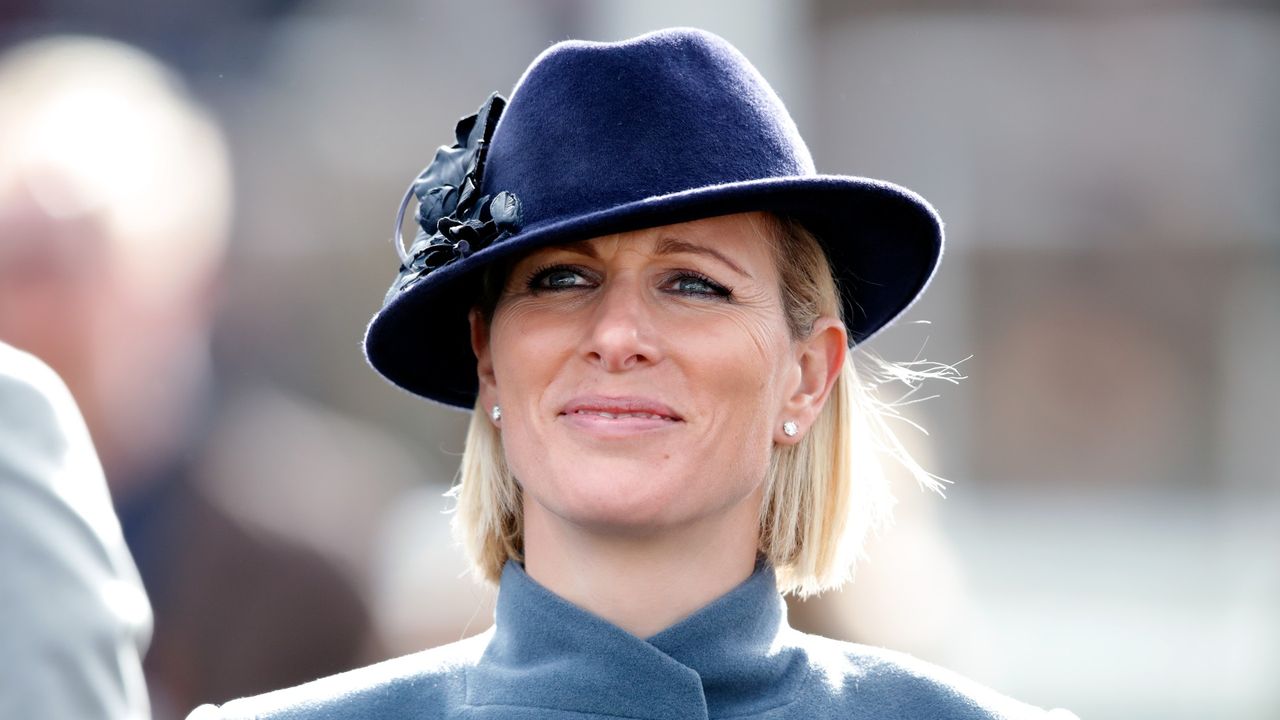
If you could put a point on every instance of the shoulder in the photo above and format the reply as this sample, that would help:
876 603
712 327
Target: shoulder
45 449
37 413
74 607
898 685
429 679
48 466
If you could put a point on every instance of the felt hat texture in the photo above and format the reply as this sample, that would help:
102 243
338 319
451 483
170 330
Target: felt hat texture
600 138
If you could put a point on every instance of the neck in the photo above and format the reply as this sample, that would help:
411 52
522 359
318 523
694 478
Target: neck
642 583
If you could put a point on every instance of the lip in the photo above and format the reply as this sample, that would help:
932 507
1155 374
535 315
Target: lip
618 416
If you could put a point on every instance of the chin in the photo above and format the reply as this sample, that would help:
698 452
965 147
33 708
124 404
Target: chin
628 496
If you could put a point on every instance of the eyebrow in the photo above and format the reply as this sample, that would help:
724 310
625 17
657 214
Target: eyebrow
666 246
671 246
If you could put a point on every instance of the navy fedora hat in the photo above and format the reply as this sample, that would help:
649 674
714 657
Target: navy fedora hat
600 138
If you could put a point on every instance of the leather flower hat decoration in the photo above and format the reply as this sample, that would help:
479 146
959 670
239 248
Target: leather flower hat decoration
454 219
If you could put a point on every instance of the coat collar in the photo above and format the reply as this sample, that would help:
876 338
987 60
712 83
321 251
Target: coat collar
729 658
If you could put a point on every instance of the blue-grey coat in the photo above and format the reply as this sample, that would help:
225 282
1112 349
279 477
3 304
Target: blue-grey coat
546 659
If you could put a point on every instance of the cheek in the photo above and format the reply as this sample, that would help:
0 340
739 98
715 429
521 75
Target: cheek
741 354
739 373
734 384
525 347
528 351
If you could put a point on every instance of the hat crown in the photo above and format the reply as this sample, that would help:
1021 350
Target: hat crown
591 125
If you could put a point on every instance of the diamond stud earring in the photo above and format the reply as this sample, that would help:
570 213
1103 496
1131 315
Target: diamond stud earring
790 429
496 413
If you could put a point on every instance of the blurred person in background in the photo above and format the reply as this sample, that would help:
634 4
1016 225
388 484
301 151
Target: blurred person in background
75 620
115 199
636 280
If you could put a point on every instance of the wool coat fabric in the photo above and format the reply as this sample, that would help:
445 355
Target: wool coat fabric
546 659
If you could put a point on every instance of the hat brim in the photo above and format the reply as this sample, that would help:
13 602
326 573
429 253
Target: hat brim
884 243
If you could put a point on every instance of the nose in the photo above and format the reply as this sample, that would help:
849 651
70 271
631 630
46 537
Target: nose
622 335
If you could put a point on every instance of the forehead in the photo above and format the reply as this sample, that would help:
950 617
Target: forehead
743 241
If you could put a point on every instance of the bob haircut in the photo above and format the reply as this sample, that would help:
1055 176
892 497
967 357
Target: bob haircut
823 495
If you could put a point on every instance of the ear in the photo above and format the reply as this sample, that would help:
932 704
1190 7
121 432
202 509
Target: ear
484 358
819 359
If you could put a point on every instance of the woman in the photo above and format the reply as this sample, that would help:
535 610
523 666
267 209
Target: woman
640 284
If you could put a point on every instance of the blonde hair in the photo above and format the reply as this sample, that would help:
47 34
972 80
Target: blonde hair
823 495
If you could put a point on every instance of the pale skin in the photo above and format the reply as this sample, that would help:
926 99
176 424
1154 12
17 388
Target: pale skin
644 380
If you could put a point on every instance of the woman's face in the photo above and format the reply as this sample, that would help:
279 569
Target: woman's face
643 377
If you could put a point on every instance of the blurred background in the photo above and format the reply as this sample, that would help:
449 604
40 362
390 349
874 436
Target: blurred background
195 205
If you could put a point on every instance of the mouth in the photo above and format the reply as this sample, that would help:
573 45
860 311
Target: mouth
614 415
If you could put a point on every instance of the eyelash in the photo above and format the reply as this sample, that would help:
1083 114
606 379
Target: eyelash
717 290
541 273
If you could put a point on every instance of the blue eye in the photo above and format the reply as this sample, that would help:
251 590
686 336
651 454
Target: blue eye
693 285
689 283
558 277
